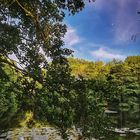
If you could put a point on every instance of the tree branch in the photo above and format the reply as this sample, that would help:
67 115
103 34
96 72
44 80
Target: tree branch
10 62
28 12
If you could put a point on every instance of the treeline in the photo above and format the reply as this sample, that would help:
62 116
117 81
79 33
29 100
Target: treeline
91 70
78 97
118 82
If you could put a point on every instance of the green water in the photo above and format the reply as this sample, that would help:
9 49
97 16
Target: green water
128 137
119 120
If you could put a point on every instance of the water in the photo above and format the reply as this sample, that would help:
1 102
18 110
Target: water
127 125
31 134
51 134
126 128
127 137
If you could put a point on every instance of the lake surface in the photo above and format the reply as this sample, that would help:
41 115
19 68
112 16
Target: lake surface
125 128
51 134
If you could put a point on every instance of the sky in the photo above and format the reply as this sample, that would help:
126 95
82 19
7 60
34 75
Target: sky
104 30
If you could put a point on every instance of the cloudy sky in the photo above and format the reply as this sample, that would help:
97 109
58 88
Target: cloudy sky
105 30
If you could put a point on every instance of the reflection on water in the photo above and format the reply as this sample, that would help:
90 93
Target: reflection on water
45 133
127 137
126 126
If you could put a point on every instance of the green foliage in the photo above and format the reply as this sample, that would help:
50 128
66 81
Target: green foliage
8 97
36 90
55 99
116 87
33 31
87 69
89 109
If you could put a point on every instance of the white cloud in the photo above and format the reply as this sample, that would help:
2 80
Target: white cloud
101 52
105 53
71 37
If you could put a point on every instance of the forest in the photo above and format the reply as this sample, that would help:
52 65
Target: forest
45 86
82 100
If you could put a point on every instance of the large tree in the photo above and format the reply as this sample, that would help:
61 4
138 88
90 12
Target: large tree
33 31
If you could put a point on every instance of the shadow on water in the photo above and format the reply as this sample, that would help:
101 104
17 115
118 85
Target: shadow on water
126 125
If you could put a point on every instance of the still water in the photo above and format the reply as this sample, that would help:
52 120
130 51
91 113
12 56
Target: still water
128 137
46 134
126 128
127 125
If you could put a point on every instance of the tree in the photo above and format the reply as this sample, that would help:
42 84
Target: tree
133 62
35 29
90 107
9 104
87 69
56 100
123 88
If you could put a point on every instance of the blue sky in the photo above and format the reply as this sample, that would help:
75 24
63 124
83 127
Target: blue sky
104 30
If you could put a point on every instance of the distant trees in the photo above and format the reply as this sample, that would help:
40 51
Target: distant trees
116 84
89 70
90 107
